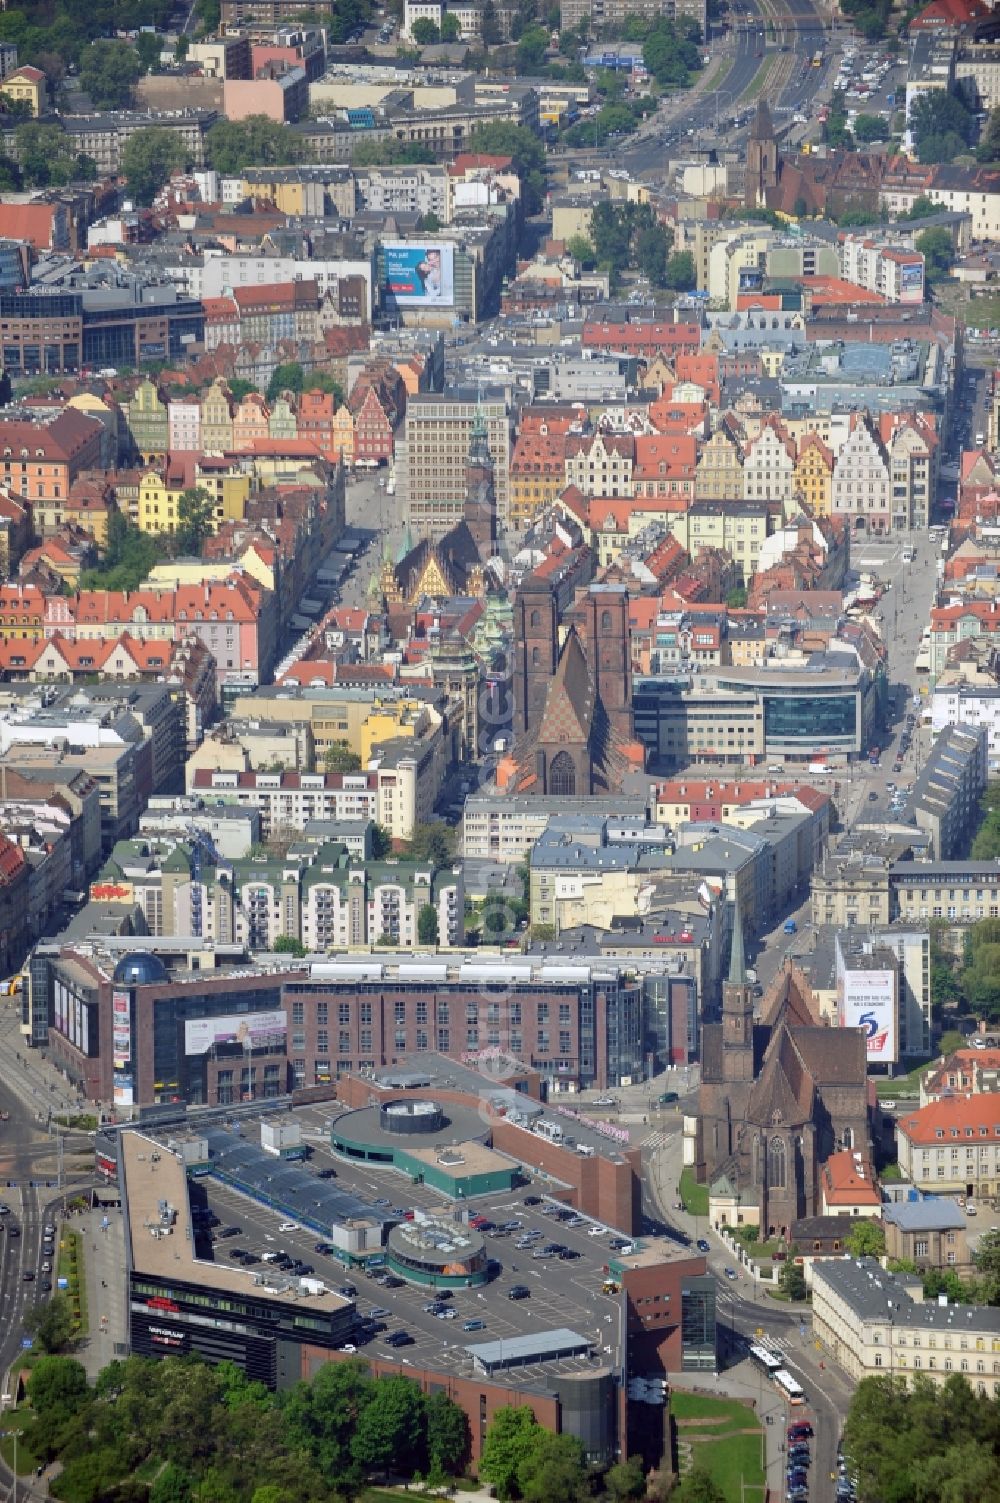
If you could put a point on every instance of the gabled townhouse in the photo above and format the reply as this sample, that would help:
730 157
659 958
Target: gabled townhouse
862 481
769 465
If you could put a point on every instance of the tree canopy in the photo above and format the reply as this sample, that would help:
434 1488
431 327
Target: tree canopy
672 52
257 141
923 1443
109 71
941 126
149 157
210 1433
629 235
938 250
525 150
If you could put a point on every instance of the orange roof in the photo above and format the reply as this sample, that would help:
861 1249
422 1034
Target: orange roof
678 452
848 1179
952 1118
836 290
31 222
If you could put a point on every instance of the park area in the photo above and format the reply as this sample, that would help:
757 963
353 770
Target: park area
721 1437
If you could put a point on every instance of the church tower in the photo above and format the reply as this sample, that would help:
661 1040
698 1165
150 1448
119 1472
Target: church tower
762 159
737 1011
609 652
480 490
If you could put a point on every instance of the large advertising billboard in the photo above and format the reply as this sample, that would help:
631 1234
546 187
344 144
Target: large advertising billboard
419 276
253 1030
867 999
121 1028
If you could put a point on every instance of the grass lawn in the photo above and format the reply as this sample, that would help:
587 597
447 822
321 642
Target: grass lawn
26 1460
761 78
902 1085
75 1272
725 1439
723 1413
694 1196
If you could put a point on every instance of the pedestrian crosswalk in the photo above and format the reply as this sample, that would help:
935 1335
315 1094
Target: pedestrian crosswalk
654 1140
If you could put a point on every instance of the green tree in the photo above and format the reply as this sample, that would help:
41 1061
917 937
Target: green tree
680 272
322 1416
508 1442
147 49
181 48
699 1486
195 518
531 49
651 255
287 944
50 1322
987 1260
425 32
553 1471
381 842
626 1481
391 1431
672 52
451 30
866 1239
490 24
338 757
257 141
109 71
936 247
447 1435
526 152
389 153
947 1282
171 1485
580 249
871 128
429 222
737 598
791 1280
427 925
800 208
149 157
941 125
433 842
45 154
58 1384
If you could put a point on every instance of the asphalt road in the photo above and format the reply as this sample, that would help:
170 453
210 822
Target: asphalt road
745 1314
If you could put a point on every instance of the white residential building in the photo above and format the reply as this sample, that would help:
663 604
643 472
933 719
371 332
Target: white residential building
861 481
969 704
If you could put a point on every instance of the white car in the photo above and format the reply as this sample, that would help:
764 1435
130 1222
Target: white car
596 1231
349 1348
288 1226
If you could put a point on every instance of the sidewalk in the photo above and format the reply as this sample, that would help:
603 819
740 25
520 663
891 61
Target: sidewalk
27 1072
107 1290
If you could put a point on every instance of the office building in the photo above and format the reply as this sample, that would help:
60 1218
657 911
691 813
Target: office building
438 437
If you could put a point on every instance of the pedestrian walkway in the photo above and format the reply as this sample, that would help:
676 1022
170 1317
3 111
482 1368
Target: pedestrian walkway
104 1269
28 1073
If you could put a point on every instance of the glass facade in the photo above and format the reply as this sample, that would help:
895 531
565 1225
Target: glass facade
698 1316
811 720
179 1074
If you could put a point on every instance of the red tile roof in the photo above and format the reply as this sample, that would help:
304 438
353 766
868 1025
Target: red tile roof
952 1118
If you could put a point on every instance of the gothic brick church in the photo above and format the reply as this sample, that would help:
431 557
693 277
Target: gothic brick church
778 1096
572 691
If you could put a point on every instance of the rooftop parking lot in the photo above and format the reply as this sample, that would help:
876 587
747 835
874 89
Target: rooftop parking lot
564 1291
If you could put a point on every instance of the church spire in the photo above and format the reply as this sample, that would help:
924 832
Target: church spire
737 952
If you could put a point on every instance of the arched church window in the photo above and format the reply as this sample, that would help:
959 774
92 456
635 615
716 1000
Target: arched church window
536 657
605 621
562 775
536 618
776 1167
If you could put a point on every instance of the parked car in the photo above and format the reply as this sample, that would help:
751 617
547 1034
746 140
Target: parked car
519 1291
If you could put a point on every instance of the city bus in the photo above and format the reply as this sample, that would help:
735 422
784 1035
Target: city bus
768 1361
817 61
787 1385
